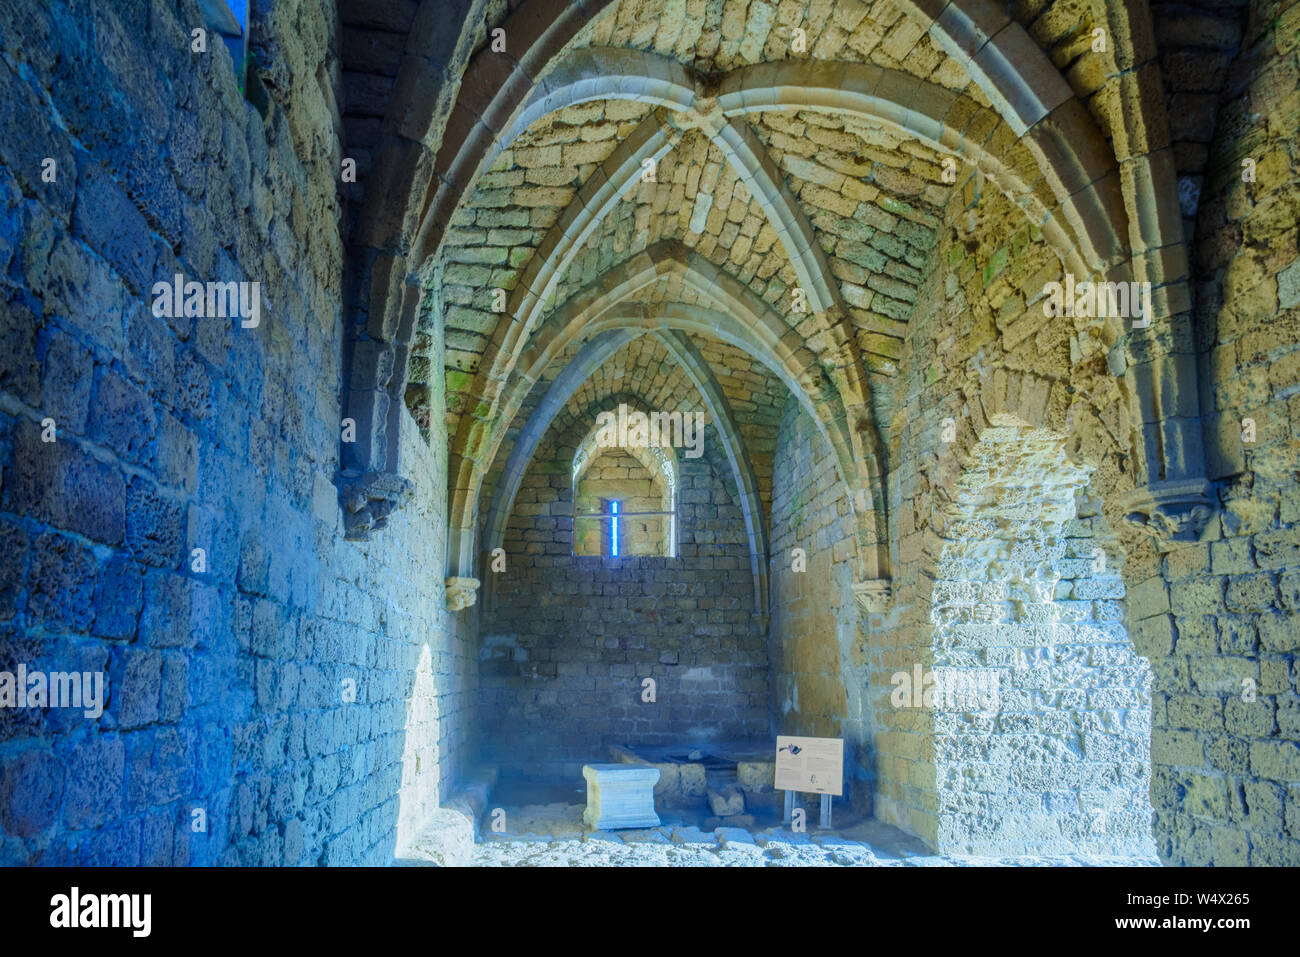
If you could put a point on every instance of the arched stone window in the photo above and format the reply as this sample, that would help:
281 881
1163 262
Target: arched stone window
624 499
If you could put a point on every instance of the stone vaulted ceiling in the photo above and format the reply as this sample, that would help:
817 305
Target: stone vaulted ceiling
870 197
767 175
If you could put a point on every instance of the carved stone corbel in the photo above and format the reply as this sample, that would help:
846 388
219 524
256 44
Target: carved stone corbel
1175 513
368 500
461 593
872 598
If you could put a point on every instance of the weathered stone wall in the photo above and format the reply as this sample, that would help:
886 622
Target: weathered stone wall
979 347
229 687
567 641
1206 616
1227 714
1042 711
817 650
129 440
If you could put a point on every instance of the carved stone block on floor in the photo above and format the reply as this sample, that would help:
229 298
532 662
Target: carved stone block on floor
620 795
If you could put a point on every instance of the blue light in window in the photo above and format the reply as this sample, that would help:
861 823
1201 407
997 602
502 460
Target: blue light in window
613 530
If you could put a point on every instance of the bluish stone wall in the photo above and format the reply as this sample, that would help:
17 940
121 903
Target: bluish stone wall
302 691
569 641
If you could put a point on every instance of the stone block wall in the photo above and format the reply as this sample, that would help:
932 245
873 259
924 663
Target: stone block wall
817 650
516 202
1213 619
277 694
1042 710
568 641
1226 782
302 692
615 475
979 349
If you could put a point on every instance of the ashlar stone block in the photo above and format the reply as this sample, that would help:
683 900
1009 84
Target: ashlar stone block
620 795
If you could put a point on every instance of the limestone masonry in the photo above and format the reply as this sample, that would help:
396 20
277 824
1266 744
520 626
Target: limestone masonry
408 407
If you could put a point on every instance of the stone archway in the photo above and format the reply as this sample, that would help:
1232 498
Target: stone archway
599 347
739 317
1041 708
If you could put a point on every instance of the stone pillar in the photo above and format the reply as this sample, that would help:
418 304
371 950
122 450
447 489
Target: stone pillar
1176 501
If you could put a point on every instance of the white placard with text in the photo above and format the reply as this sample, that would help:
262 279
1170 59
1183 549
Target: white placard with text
815 765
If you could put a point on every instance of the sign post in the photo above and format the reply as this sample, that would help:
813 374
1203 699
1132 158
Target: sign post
814 765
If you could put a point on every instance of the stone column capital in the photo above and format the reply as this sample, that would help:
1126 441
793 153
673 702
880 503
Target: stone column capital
368 499
461 593
872 597
1175 513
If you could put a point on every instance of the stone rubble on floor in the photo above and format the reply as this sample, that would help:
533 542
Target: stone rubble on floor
552 835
